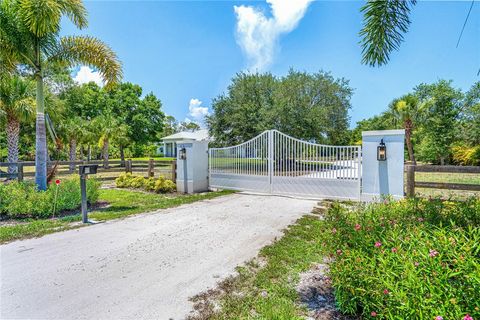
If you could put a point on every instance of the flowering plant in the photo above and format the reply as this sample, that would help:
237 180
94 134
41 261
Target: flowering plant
416 256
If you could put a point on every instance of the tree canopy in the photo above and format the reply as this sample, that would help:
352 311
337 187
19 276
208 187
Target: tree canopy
307 106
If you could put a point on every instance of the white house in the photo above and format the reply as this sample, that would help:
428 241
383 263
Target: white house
170 142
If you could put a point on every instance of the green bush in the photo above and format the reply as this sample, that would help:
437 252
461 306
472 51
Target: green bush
411 259
466 156
159 185
22 200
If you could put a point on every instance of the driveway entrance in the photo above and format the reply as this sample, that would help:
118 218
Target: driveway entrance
143 267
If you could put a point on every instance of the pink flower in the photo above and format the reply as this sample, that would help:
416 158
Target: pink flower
420 219
386 291
373 314
378 244
438 318
394 250
339 252
416 264
357 227
57 182
433 253
468 317
334 230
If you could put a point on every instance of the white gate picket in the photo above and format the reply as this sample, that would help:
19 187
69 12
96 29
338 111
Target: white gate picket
276 163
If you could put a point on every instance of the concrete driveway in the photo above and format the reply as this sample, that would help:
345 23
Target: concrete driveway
143 267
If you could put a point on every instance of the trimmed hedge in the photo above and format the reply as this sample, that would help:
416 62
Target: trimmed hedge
411 259
159 185
23 200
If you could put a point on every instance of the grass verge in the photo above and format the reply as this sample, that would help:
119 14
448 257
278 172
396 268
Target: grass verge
122 203
265 287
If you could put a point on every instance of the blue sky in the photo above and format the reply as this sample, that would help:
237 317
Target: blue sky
184 50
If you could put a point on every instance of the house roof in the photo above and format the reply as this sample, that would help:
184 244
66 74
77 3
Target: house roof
198 135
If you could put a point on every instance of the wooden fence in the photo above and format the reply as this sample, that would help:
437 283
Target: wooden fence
106 172
411 183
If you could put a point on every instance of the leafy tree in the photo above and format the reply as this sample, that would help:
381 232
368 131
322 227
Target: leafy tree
407 110
384 24
307 106
30 36
471 116
17 105
170 126
441 106
189 126
144 117
311 107
239 115
385 121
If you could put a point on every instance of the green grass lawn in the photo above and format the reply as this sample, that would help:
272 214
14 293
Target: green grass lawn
122 203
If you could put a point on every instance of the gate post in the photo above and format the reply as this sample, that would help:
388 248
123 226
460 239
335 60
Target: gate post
382 164
270 159
192 166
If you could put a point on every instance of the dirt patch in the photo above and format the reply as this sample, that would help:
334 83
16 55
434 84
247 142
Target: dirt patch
206 304
316 293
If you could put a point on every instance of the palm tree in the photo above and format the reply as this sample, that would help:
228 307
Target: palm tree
109 127
17 105
72 128
407 111
30 36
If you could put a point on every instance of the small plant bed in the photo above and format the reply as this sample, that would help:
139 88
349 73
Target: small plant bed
411 259
21 200
115 204
158 185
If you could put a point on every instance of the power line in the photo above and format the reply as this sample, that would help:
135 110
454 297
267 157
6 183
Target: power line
465 23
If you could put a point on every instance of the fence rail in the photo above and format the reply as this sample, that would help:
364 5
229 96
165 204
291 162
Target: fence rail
411 182
107 171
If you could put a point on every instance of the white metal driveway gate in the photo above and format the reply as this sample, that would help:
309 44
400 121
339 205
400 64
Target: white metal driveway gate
276 163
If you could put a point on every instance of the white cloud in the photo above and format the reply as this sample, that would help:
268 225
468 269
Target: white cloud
258 35
86 75
195 109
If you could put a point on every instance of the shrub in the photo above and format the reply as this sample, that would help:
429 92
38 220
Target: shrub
159 185
466 156
407 259
22 200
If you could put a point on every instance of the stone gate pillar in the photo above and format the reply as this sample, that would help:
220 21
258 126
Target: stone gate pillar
382 178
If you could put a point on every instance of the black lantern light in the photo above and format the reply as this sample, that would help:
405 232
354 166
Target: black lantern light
183 154
382 151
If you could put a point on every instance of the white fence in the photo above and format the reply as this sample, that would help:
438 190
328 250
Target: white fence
276 163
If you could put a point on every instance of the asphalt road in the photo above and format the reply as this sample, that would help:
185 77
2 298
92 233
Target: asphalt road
142 267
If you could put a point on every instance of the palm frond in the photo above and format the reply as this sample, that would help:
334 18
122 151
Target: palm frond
385 23
14 38
90 51
40 16
76 12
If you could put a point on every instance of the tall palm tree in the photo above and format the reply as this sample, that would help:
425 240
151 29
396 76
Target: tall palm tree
17 105
407 110
30 36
